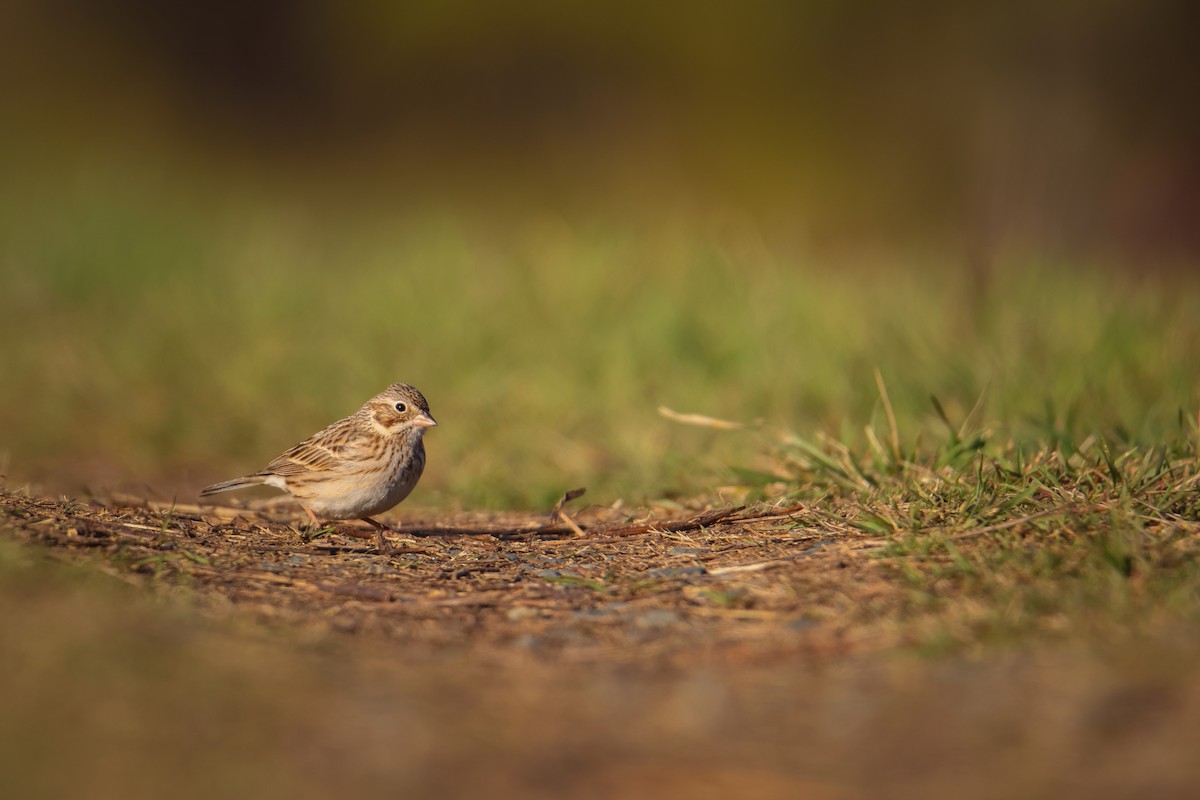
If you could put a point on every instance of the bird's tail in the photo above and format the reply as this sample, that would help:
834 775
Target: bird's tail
229 486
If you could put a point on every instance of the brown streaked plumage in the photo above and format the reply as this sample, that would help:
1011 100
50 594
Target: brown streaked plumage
358 466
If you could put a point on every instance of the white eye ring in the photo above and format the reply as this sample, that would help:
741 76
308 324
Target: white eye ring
401 407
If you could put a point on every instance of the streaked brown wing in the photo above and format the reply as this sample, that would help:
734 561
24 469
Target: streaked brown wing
322 452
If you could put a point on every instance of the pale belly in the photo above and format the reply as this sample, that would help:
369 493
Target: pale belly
353 499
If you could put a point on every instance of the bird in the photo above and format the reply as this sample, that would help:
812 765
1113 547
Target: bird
357 467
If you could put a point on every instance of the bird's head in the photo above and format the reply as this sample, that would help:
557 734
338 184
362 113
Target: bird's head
399 408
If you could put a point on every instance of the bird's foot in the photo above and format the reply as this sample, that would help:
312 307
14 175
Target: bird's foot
381 543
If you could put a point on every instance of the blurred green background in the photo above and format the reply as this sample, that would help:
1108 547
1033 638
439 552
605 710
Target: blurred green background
224 225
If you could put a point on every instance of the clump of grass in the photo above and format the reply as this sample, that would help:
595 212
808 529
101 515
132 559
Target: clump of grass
997 535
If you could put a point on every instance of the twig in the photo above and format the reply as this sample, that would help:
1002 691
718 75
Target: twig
786 513
153 528
694 523
757 566
558 515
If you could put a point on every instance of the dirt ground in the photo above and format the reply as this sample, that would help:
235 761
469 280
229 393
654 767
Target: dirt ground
742 582
665 652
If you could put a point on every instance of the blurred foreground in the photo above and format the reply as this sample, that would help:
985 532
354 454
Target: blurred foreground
152 651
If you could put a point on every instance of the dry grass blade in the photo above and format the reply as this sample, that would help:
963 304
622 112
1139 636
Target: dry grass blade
893 428
1011 523
700 420
558 515
758 566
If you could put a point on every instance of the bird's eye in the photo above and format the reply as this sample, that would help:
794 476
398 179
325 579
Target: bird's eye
401 407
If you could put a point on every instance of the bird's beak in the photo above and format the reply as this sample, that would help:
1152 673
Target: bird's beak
424 421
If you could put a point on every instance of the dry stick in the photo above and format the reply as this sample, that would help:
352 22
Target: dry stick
153 529
329 550
557 513
692 523
770 563
785 513
699 521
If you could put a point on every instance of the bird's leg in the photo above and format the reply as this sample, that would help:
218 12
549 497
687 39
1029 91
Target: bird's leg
380 542
312 516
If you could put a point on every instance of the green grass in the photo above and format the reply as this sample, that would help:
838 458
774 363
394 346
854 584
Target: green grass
998 539
158 337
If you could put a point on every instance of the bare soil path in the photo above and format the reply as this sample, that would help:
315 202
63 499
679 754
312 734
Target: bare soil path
747 582
651 653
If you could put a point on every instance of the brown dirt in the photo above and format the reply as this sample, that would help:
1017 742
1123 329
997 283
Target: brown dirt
666 652
750 583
